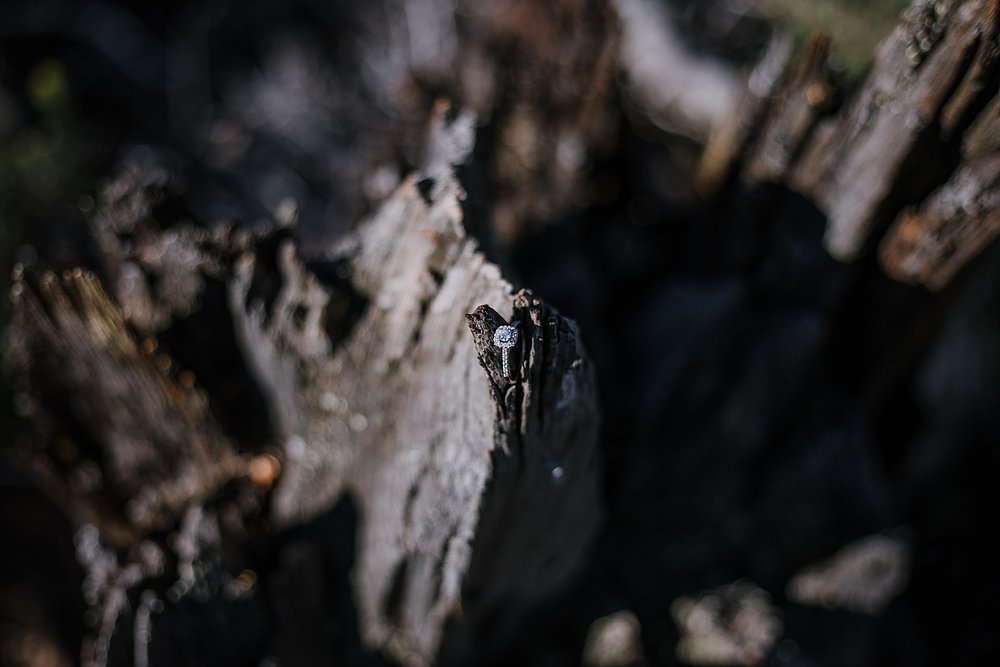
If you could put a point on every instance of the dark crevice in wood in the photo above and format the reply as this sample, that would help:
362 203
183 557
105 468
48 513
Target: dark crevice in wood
483 321
346 306
426 186
204 344
919 175
392 606
441 565
974 92
267 282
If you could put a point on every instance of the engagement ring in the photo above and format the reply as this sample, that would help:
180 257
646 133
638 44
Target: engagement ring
505 337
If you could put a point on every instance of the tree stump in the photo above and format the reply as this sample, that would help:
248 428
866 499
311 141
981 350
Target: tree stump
376 367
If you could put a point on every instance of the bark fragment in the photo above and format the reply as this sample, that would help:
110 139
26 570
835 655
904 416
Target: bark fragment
930 243
856 164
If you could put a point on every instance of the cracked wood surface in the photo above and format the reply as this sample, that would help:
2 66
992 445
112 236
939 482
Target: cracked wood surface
790 122
374 362
930 243
160 448
730 140
464 482
853 164
911 151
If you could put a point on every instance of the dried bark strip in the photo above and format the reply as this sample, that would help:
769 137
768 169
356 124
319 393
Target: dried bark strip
929 244
790 121
732 137
543 74
855 163
160 446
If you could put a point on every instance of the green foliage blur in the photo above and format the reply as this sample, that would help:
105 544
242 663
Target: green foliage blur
43 168
856 26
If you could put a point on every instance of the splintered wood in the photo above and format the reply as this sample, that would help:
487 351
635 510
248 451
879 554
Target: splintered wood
730 139
465 481
161 448
913 144
929 243
477 491
809 94
889 130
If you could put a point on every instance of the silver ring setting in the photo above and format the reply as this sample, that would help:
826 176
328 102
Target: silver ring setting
505 337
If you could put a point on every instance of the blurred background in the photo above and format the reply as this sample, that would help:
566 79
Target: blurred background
800 453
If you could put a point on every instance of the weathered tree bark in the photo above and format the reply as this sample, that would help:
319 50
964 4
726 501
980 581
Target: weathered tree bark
792 119
398 415
477 493
892 142
159 446
203 395
931 243
859 163
543 134
732 136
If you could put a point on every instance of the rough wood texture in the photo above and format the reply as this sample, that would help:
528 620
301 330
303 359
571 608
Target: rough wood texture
543 496
854 164
731 138
930 243
160 448
449 470
914 144
788 124
543 74
478 494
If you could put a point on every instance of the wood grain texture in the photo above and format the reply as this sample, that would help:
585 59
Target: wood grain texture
159 446
543 75
477 493
930 243
457 476
799 106
912 151
730 139
854 163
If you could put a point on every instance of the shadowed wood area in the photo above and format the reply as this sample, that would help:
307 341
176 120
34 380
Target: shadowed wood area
477 493
615 333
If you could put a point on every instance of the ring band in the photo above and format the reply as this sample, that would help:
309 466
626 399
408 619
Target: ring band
505 337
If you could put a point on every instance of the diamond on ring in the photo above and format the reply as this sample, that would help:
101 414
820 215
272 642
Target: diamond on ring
505 337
